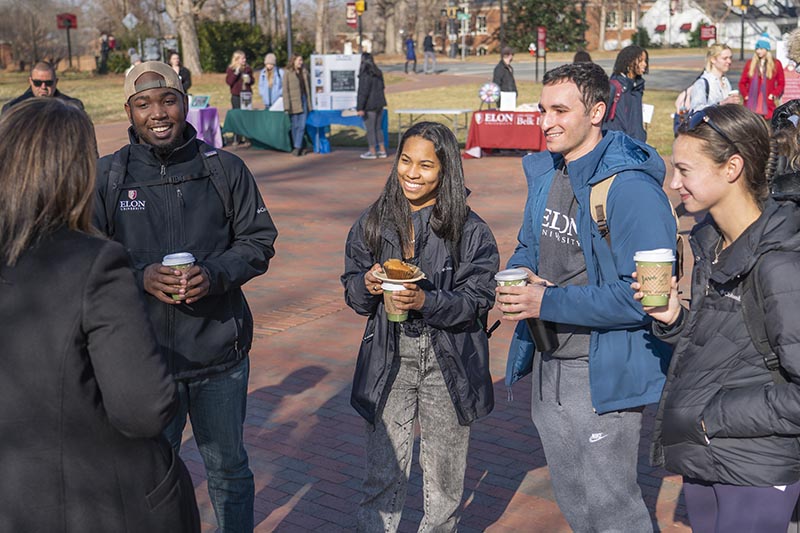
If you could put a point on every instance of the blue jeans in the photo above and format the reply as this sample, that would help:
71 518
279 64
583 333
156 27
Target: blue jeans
299 126
216 406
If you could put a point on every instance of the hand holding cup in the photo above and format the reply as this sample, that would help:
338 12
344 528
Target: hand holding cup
666 314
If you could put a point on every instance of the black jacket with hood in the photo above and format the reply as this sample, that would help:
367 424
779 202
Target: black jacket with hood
718 378
186 214
457 300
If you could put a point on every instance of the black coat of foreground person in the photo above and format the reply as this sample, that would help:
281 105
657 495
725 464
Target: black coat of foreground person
84 390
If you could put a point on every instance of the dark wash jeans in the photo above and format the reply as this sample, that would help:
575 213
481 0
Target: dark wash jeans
216 406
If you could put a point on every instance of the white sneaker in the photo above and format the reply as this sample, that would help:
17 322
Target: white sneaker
368 155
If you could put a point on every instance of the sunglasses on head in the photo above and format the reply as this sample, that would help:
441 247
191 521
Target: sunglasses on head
699 117
39 83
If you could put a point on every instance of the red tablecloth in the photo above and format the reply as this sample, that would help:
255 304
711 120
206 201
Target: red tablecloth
504 129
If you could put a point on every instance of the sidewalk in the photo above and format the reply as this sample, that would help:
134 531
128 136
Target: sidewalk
304 439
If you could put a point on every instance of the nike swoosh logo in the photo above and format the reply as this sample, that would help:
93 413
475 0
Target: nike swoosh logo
597 437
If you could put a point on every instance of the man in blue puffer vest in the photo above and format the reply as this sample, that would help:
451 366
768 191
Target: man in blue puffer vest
588 392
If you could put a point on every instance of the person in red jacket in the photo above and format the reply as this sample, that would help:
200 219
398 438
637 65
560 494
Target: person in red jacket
762 80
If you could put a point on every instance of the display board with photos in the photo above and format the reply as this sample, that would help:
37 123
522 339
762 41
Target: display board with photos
334 78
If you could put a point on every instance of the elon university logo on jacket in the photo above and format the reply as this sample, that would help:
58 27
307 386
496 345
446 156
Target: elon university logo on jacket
132 204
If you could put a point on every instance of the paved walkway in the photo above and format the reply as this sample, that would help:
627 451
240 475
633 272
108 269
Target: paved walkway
305 441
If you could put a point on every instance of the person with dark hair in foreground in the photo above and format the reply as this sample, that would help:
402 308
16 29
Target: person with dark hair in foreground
578 283
432 368
84 389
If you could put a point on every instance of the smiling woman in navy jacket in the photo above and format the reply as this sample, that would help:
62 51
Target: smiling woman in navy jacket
84 390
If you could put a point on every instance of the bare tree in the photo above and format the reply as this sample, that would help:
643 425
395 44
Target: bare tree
182 13
29 25
321 27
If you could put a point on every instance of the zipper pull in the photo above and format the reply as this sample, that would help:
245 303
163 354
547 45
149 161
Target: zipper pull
180 197
163 171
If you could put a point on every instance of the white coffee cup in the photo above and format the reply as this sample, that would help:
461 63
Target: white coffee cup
511 276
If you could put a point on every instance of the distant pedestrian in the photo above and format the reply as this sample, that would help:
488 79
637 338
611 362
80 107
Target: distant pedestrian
85 391
135 60
183 73
270 81
42 84
433 368
582 56
728 421
411 54
239 77
713 86
624 111
504 73
297 100
429 53
762 80
791 82
370 101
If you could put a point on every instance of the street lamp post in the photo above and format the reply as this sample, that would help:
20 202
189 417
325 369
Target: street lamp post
743 9
288 30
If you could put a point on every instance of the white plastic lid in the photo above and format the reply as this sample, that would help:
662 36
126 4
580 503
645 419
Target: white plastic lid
392 286
660 255
511 274
181 258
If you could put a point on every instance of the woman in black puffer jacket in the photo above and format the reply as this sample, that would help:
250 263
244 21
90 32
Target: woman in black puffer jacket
723 422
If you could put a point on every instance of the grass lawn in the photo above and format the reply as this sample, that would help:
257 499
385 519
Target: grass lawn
102 96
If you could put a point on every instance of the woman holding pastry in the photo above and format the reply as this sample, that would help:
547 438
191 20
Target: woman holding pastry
433 367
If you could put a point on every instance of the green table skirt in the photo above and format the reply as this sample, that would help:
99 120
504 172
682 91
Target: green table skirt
266 129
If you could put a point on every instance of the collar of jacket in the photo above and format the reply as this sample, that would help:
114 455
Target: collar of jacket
184 152
778 228
615 153
629 84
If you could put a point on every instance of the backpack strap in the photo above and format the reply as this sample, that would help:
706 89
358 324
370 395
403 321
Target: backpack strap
114 180
598 200
755 320
616 94
218 177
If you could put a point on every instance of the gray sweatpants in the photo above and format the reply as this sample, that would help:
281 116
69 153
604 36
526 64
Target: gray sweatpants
592 458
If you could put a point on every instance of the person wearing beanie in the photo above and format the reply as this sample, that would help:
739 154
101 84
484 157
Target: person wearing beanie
270 82
762 80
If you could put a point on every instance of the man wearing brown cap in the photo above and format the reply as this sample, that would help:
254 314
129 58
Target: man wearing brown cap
165 193
43 81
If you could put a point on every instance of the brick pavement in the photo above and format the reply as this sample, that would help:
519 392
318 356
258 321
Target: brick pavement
304 440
